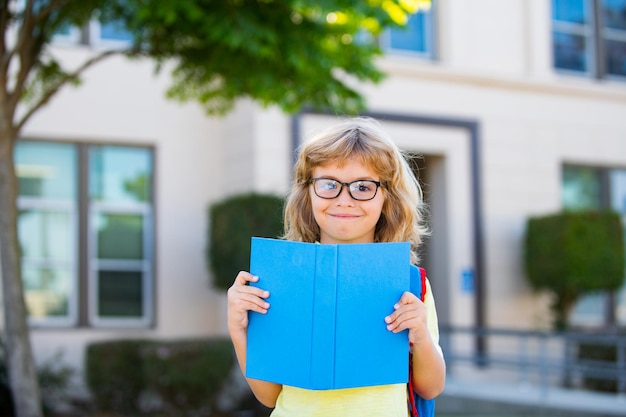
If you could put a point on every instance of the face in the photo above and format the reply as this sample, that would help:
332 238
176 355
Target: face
344 219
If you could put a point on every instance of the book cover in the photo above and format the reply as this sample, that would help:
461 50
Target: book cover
325 327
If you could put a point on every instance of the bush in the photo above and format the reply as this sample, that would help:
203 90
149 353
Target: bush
114 373
233 222
184 377
572 253
187 376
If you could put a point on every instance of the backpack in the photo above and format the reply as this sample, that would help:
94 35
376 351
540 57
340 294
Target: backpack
418 406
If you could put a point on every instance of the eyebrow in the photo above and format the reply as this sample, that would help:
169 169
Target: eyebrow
332 177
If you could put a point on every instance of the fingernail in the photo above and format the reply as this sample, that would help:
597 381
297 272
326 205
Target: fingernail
266 305
387 319
395 307
266 294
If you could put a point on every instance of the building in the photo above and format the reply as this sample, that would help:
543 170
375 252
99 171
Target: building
517 108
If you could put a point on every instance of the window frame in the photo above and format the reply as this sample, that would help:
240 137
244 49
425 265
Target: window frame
430 41
144 266
595 34
72 318
83 296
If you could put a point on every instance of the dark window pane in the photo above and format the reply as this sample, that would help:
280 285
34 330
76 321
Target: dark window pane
120 294
581 188
570 52
46 291
615 57
614 14
574 11
120 236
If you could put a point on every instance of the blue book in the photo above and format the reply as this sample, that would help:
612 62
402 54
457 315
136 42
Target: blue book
325 328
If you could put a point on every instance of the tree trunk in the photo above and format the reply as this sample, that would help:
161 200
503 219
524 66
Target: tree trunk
20 363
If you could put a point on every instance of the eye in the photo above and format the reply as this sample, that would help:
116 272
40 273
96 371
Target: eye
328 185
364 186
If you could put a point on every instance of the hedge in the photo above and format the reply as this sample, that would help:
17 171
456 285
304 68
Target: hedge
233 222
572 253
185 377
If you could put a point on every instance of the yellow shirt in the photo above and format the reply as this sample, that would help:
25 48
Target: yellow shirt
376 401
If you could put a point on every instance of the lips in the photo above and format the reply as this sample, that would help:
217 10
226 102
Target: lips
343 215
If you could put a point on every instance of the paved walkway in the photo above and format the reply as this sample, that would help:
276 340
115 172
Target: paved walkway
479 397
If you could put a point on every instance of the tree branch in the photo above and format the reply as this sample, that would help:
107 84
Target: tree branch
66 79
24 49
45 11
4 24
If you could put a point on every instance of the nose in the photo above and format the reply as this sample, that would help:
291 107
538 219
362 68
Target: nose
344 196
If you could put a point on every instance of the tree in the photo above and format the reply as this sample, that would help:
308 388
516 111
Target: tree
304 53
573 253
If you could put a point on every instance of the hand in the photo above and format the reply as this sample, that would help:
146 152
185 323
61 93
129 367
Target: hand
243 298
409 313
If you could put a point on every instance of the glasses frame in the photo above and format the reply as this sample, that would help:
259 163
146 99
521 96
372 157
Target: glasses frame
378 184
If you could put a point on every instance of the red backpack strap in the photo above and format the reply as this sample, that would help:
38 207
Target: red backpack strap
411 395
423 278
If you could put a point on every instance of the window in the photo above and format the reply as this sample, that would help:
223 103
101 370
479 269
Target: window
111 34
416 37
596 188
589 37
47 227
86 228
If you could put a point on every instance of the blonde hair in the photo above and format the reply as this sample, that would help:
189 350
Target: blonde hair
402 217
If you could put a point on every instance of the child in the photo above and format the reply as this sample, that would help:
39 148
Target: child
351 185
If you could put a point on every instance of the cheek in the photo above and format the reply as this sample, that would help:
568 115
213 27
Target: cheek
317 204
378 205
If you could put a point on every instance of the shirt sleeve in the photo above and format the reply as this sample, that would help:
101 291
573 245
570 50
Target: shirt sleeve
431 316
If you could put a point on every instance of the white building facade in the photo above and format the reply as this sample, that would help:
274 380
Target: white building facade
516 108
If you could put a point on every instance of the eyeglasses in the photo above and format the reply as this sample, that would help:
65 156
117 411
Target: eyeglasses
360 190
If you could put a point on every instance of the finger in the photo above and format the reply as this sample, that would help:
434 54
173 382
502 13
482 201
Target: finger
407 301
244 277
259 307
245 292
244 301
246 289
406 298
403 320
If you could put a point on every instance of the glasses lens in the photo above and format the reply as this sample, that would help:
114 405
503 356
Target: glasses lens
327 188
363 190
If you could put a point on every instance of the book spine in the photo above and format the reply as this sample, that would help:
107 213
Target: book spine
324 313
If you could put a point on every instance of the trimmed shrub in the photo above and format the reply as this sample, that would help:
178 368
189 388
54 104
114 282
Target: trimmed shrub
115 376
572 253
187 376
182 377
233 222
